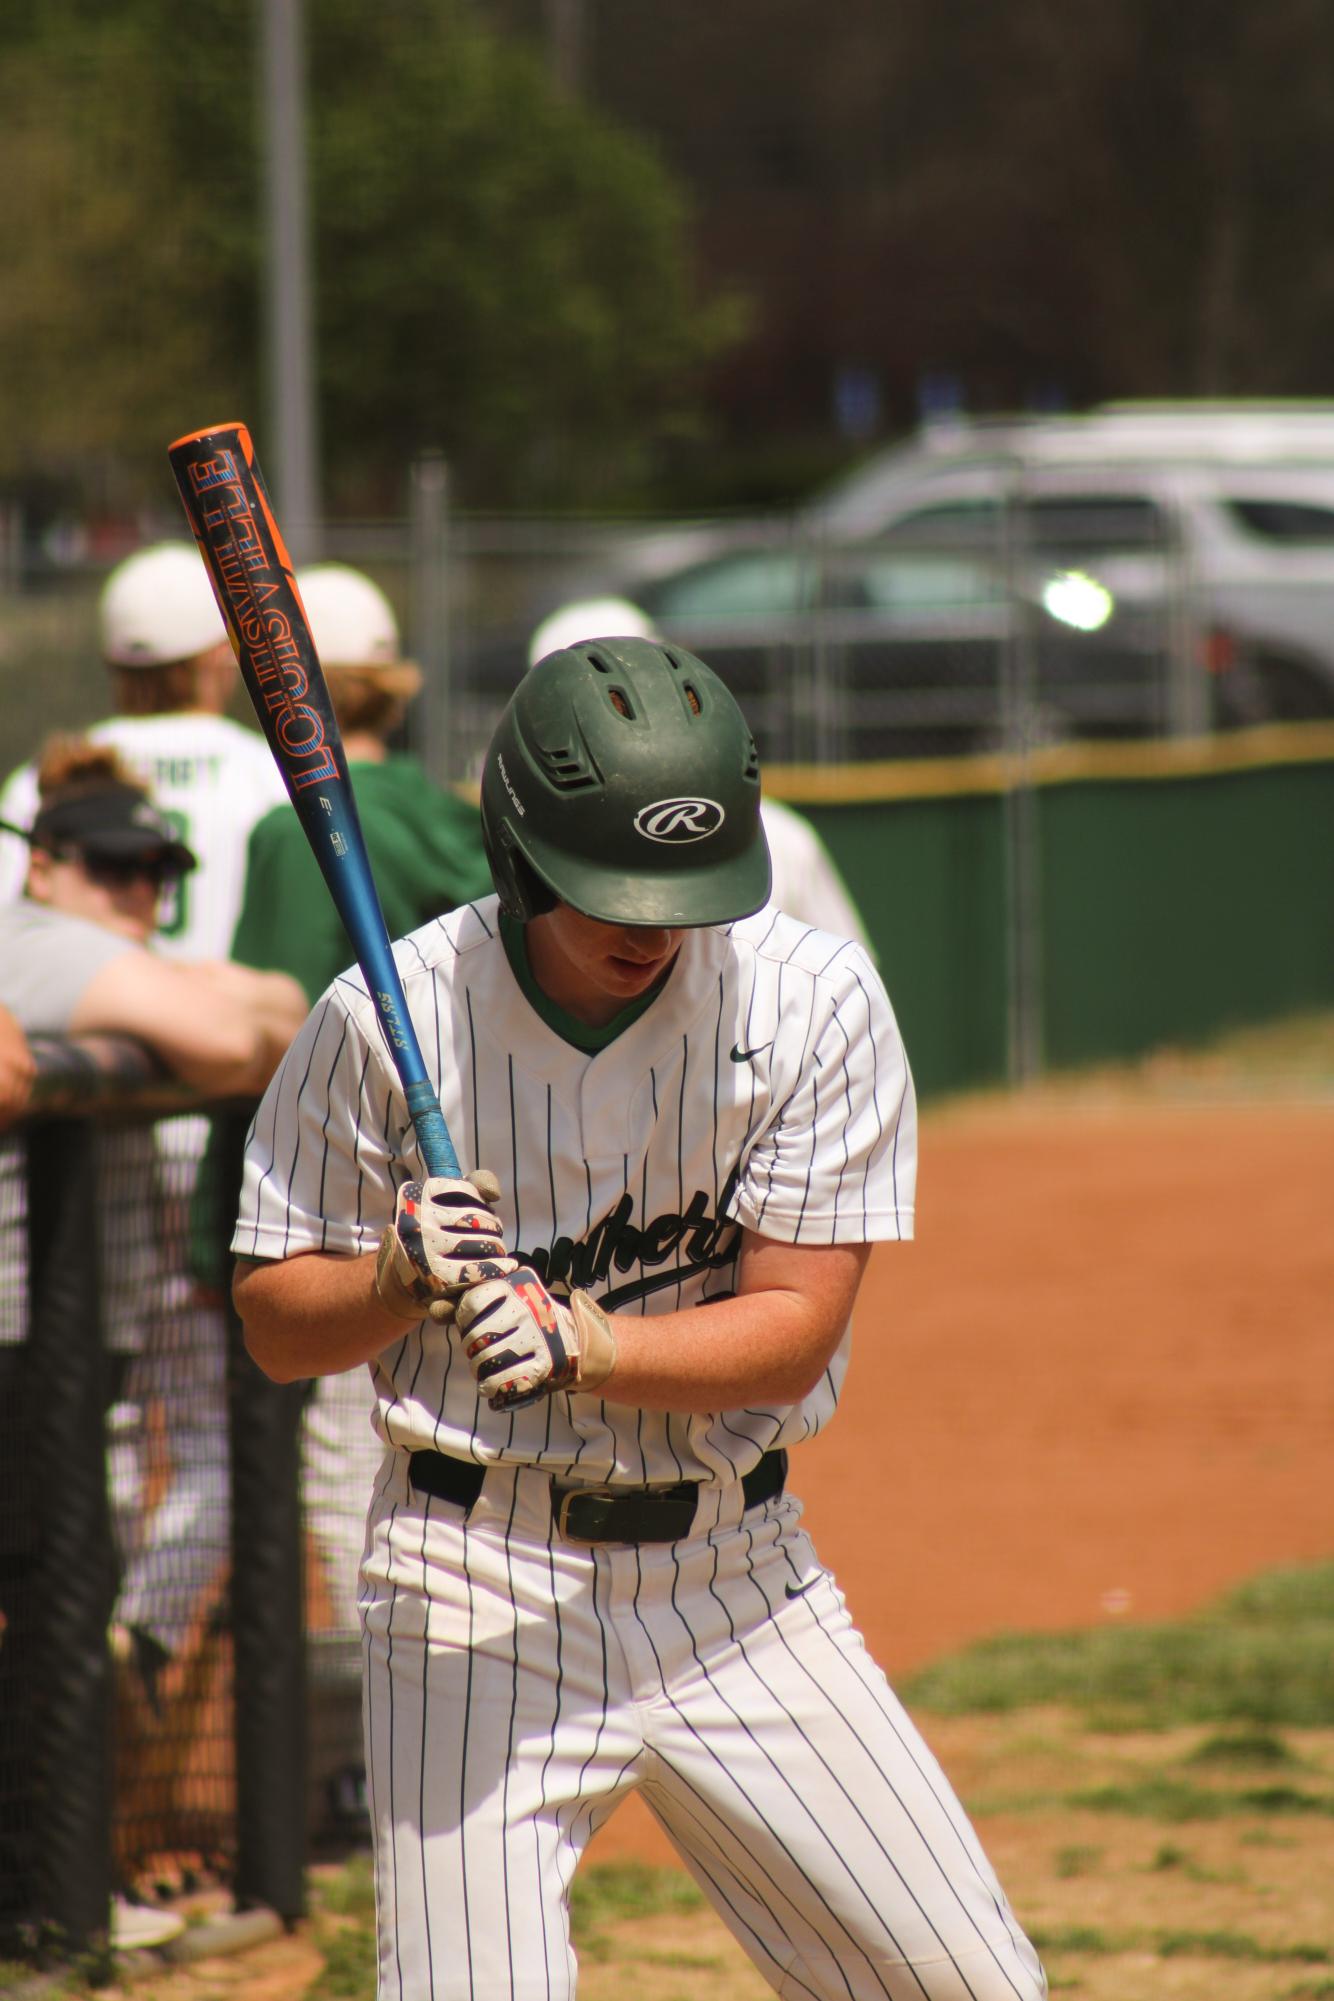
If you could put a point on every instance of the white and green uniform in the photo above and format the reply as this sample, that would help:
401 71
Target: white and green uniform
519 1683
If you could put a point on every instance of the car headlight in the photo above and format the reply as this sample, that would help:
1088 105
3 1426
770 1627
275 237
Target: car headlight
1077 599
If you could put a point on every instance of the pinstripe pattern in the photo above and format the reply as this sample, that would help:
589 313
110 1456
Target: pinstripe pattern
601 1159
760 1733
519 1685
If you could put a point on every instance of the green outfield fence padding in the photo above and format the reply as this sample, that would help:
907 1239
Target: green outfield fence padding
1177 888
928 876
1175 910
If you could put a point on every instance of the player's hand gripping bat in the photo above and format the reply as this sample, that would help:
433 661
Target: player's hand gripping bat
228 509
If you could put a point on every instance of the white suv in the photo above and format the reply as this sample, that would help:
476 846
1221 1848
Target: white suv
1142 569
1214 521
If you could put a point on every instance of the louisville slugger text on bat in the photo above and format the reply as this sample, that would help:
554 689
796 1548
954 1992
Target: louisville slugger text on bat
227 505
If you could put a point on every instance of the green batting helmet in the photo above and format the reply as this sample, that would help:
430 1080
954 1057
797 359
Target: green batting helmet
622 780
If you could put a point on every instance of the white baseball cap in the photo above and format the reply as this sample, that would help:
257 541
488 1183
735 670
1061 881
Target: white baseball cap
588 618
157 607
353 626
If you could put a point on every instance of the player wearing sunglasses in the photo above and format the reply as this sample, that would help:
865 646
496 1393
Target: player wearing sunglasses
74 951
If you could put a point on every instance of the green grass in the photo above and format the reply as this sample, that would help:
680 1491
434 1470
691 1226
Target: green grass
1169 1856
351 1893
1237 1945
344 1924
1076 1861
1259 1656
1243 1749
609 1893
1076 1938
1174 1800
1092 1940
349 1964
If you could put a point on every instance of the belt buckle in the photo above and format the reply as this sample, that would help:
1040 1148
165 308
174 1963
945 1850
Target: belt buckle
566 1498
620 1514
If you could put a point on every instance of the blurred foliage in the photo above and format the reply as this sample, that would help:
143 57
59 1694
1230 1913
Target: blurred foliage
647 293
500 273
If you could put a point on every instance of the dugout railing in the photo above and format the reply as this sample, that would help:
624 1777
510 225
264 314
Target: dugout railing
124 1771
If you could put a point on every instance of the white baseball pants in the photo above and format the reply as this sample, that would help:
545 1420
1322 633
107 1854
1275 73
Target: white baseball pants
519 1686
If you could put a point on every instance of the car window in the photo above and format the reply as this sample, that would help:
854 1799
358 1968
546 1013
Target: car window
956 524
894 582
1105 524
1284 520
757 583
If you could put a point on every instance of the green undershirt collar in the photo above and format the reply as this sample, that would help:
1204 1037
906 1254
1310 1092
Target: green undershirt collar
579 1033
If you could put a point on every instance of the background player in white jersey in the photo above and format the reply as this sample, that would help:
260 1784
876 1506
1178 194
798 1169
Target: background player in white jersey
583 1573
806 882
172 674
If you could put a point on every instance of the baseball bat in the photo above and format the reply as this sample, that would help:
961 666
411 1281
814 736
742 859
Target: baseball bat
227 505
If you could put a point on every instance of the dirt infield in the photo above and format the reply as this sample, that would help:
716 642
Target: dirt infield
1099 1383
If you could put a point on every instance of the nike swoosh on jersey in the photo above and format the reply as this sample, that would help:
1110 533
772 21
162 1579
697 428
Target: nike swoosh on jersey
800 1590
740 1055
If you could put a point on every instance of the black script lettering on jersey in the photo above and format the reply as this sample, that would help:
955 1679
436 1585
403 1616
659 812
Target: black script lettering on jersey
709 1239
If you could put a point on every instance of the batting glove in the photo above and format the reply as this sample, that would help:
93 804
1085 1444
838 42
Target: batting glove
443 1238
522 1344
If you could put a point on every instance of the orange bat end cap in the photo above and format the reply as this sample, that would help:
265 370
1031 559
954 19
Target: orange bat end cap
210 431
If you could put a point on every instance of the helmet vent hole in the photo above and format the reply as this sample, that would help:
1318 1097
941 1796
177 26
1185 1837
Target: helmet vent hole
752 769
596 660
692 698
671 659
620 701
566 765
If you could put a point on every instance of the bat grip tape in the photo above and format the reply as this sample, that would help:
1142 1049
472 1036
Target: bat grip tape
433 1141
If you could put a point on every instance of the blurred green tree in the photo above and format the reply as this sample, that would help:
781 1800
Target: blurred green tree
499 272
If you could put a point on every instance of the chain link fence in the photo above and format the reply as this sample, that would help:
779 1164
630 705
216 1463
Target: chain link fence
179 1538
1034 619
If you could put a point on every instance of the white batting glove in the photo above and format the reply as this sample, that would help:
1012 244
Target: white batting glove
522 1344
444 1237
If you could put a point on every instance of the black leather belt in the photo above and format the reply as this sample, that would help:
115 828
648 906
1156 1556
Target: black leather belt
600 1514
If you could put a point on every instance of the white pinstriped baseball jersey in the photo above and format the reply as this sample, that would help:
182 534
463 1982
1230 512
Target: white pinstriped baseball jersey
766 1085
213 779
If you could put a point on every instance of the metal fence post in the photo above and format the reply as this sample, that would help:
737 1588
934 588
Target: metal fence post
74 1708
1022 844
429 613
268 1605
1189 696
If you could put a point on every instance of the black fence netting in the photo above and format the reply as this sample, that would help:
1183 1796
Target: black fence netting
179 1538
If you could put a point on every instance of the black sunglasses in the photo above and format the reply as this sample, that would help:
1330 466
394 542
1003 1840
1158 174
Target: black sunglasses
115 871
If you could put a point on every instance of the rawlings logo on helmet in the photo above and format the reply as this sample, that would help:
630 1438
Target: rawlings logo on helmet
680 819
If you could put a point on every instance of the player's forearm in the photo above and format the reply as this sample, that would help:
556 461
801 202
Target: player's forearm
768 1345
764 1349
313 1315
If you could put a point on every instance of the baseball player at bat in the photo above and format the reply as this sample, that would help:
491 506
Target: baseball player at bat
584 1572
